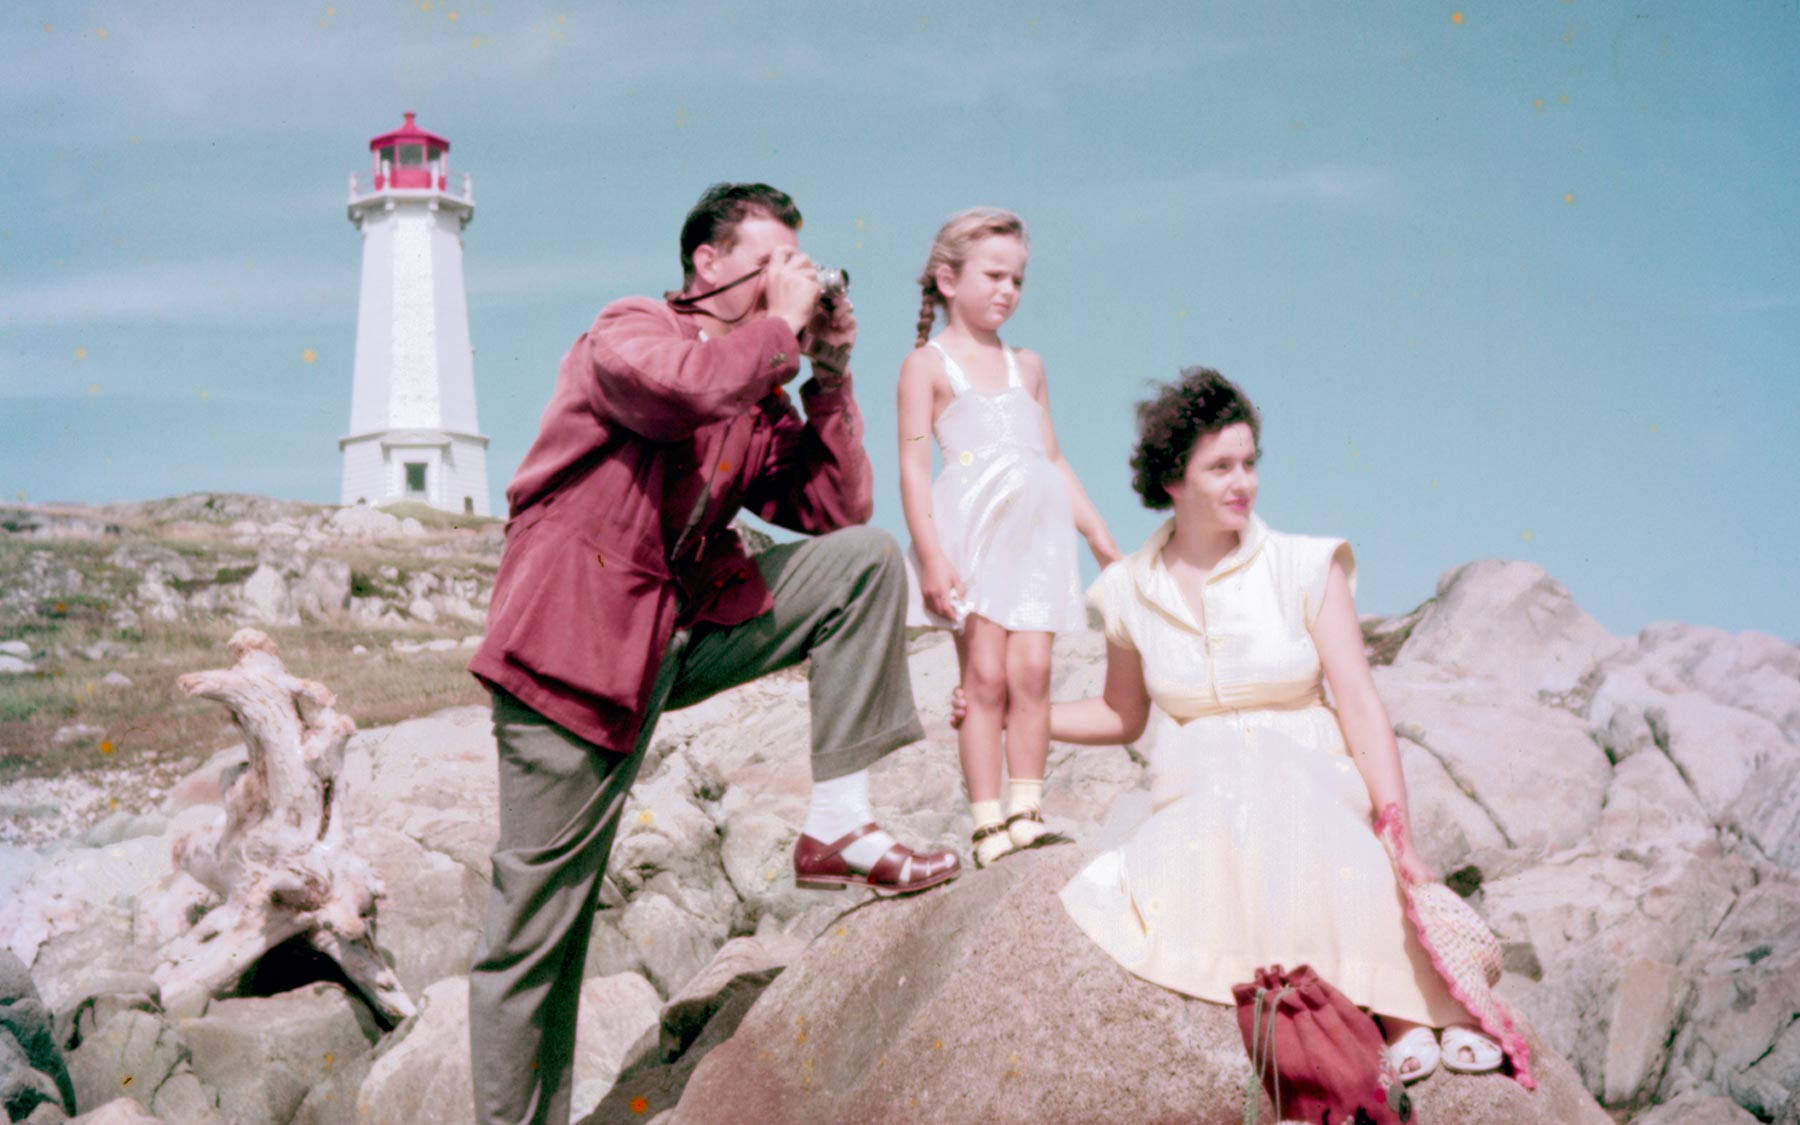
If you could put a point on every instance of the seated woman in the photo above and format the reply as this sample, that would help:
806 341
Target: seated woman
1260 848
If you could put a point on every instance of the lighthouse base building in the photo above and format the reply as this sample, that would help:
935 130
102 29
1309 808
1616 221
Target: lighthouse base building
413 433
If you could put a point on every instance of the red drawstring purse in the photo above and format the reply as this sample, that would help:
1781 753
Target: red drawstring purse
1319 1056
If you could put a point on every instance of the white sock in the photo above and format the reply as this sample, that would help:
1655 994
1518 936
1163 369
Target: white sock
1024 793
839 806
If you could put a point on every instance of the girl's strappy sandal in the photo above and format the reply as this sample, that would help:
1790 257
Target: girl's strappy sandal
1026 829
991 842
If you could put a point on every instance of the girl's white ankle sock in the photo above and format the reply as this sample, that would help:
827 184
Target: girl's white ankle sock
1023 793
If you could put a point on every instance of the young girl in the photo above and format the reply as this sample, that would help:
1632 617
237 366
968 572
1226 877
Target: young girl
994 538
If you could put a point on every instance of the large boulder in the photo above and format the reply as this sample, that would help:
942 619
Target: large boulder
983 1002
1510 621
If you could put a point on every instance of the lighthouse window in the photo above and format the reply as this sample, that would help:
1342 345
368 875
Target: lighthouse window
412 156
415 476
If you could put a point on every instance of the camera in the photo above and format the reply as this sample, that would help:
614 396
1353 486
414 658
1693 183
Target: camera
833 283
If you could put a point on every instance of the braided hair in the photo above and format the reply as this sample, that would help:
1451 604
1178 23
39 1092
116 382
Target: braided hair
951 248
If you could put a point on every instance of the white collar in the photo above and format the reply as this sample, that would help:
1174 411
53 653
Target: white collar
1157 586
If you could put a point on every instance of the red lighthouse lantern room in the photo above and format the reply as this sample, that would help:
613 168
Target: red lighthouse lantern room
409 157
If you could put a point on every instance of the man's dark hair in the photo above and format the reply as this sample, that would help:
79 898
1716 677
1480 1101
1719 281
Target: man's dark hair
1201 402
714 219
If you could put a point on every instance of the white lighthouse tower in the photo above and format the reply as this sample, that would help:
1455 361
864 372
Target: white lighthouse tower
413 434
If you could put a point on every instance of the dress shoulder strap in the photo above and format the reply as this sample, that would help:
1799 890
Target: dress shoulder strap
1013 381
958 381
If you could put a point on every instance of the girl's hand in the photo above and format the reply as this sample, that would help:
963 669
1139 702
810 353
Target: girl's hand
1106 552
940 586
959 707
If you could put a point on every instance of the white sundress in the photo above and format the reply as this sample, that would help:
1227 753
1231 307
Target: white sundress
1002 510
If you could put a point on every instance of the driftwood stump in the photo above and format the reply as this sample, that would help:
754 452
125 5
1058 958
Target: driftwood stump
281 856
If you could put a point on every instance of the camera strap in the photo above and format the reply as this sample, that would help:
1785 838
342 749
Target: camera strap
686 305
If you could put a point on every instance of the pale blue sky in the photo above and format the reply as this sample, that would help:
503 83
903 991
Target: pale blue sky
1523 283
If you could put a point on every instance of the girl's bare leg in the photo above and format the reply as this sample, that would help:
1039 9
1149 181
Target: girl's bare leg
981 649
1027 732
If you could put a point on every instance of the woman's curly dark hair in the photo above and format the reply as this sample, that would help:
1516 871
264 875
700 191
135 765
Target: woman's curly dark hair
1201 402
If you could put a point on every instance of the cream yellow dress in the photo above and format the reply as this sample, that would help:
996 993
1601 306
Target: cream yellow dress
1259 848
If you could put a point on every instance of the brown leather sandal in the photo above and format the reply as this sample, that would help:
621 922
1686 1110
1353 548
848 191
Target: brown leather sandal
821 866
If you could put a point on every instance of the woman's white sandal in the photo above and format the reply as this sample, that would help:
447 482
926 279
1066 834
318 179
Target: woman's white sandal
1419 1046
1483 1053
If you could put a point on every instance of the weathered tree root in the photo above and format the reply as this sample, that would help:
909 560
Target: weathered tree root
282 860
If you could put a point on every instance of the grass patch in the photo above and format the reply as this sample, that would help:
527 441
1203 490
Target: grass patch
151 720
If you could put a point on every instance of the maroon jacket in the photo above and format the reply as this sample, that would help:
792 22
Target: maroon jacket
652 442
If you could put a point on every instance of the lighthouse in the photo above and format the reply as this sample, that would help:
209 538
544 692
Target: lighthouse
413 434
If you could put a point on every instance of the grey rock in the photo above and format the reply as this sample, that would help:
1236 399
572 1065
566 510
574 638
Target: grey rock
431 911
1696 1109
1507 621
332 1101
26 1023
132 1055
101 994
263 1053
1645 1006
323 592
743 963
673 943
422 1072
23 1087
363 523
119 1111
1532 769
266 600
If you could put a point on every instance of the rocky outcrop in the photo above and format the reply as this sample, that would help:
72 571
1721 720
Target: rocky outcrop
248 560
1622 811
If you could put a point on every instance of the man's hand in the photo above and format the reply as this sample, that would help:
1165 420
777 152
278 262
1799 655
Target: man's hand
791 288
829 338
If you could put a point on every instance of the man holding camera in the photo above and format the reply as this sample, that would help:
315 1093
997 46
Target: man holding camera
624 591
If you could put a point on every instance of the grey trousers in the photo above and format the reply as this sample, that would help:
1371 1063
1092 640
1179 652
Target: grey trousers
839 598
